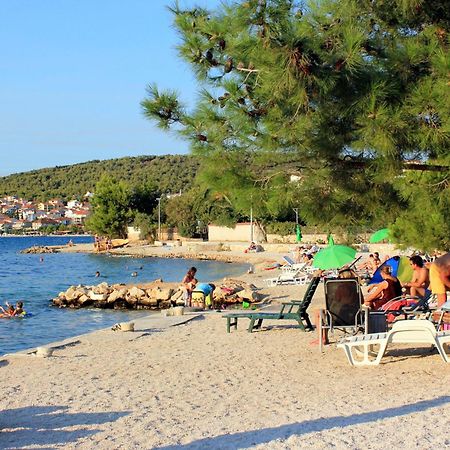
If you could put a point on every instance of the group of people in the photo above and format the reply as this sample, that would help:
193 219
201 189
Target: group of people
371 264
190 284
428 278
11 310
102 243
305 253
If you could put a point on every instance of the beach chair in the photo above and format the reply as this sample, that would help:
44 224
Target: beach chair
344 308
294 310
359 349
291 265
407 306
296 277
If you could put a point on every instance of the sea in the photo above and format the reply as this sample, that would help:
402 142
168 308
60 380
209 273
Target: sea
37 278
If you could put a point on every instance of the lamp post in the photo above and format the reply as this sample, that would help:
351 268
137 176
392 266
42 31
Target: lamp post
296 215
159 218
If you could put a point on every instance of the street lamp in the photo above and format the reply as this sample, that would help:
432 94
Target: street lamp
159 218
251 218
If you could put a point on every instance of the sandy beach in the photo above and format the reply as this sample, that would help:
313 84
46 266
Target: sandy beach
195 386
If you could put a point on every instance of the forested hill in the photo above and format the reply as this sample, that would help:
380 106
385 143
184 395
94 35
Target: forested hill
169 173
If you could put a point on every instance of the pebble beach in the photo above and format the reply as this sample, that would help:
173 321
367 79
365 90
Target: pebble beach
189 384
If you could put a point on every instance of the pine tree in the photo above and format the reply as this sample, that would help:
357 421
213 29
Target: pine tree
349 96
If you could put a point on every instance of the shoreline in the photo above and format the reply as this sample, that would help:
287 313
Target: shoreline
191 385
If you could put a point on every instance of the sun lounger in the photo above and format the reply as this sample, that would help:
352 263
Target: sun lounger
287 278
402 332
294 310
291 265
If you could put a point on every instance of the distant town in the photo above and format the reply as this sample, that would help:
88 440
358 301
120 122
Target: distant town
20 216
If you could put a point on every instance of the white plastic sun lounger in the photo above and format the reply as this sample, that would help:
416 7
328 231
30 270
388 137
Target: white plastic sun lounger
288 278
402 332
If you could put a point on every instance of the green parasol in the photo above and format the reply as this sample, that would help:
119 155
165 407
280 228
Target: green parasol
333 257
298 233
379 235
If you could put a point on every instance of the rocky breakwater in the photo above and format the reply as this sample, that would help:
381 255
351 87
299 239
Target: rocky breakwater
154 295
40 249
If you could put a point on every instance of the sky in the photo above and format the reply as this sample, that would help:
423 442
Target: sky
73 73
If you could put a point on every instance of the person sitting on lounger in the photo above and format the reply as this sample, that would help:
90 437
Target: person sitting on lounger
418 286
381 293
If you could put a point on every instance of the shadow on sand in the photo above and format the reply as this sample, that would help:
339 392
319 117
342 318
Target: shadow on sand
265 435
45 425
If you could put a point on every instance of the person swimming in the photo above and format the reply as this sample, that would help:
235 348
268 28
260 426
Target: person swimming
12 311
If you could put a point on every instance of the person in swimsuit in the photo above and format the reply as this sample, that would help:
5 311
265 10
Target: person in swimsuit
381 293
188 285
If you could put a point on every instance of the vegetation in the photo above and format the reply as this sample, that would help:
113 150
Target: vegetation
170 173
350 97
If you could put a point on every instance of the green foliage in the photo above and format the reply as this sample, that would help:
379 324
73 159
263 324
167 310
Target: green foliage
145 224
110 208
170 173
281 228
429 210
343 94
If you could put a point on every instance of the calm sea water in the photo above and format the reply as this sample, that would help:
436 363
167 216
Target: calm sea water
25 277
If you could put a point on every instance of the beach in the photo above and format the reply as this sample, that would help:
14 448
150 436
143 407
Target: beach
195 386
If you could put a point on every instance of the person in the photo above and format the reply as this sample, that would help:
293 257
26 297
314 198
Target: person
298 254
12 311
18 310
208 290
376 258
308 259
369 265
96 243
418 286
251 247
97 274
8 312
439 272
188 284
386 290
70 243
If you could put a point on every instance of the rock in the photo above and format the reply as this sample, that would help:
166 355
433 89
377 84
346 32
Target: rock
147 301
116 295
84 300
165 304
72 294
102 288
132 300
135 292
160 294
249 295
97 297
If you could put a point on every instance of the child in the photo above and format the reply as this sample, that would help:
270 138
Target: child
8 312
12 311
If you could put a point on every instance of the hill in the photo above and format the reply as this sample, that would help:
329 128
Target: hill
169 173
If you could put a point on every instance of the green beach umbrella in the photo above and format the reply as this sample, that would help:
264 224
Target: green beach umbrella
379 235
298 233
333 257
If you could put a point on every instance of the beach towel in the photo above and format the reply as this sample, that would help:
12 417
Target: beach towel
396 305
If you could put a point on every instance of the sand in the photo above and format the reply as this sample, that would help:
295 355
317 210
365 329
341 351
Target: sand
195 386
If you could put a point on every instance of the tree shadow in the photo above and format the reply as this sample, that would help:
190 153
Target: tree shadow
45 425
266 435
